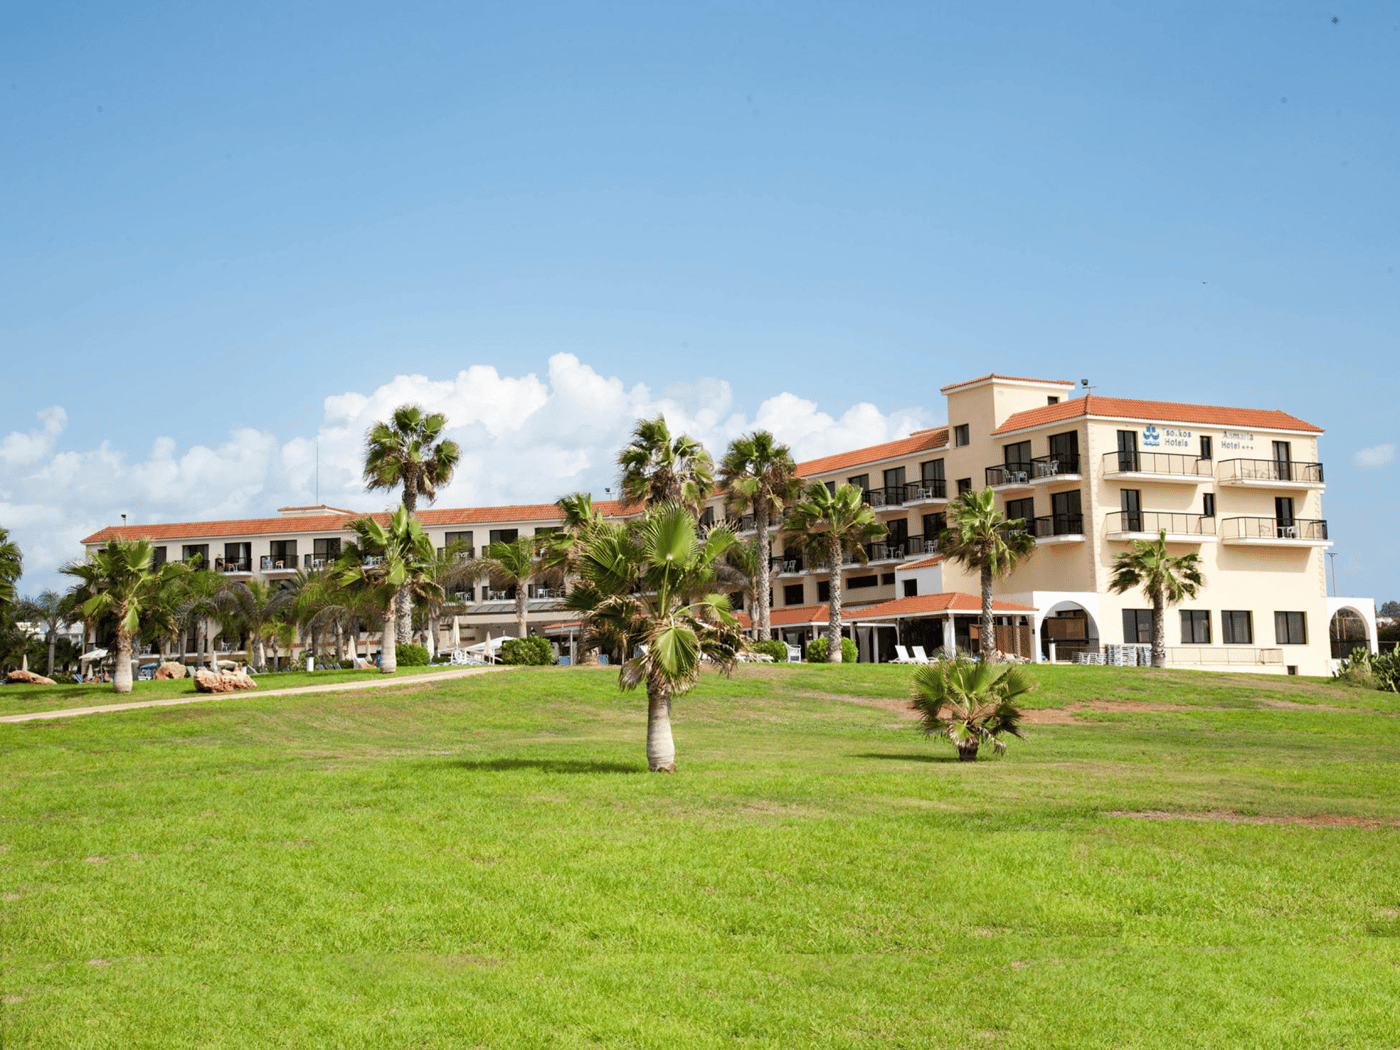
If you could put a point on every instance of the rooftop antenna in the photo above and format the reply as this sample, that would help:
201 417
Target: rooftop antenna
1085 384
318 470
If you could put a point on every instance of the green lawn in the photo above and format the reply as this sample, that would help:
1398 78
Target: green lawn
485 862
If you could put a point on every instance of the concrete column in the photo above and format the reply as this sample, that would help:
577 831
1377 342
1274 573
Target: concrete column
950 636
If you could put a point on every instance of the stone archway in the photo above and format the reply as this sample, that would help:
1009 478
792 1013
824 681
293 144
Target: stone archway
1348 630
1071 627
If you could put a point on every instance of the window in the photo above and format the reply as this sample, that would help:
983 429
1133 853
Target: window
1195 627
1207 451
1237 627
504 535
887 579
1064 453
325 551
238 557
1052 400
1137 626
464 538
707 517
1067 518
961 436
1017 456
823 590
1291 628
1130 502
191 551
897 534
1208 505
1283 512
860 481
931 470
1127 450
157 557
1021 508
894 479
831 487
911 588
283 554
934 524
792 594
550 530
964 485
856 582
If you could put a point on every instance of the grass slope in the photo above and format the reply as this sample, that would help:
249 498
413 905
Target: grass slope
484 862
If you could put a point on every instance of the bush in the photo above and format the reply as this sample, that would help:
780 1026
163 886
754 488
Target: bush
533 652
411 655
774 648
347 665
442 658
816 651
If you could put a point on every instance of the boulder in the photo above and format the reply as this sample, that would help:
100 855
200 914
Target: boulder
170 670
28 678
227 682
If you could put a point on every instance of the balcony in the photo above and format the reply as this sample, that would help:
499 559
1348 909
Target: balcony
1150 524
1156 466
235 568
741 525
273 566
465 555
934 490
1058 528
885 551
319 561
786 564
1055 468
1271 474
1274 532
918 545
892 496
1007 477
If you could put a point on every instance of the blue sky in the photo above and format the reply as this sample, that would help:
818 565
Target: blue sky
218 217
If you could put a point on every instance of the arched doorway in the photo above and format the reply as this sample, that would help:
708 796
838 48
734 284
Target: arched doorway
1347 631
1071 627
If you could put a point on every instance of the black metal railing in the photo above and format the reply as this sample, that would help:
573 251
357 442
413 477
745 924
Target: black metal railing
890 496
1009 474
884 551
741 524
1273 529
1270 470
786 563
267 563
933 488
1055 466
1173 463
237 566
1156 522
921 544
1058 525
464 555
319 561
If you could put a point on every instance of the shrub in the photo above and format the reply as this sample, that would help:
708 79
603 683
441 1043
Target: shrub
535 652
347 665
816 651
774 648
442 658
411 655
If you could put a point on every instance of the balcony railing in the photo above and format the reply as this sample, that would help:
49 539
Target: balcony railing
1196 655
1058 525
267 563
1046 467
1264 471
1172 464
1155 522
237 566
465 555
319 561
890 496
933 488
1309 530
785 563
884 551
1009 474
921 544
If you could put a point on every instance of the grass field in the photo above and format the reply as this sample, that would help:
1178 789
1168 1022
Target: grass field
1171 860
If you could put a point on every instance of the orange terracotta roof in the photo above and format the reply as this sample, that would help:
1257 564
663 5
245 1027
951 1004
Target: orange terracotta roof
923 563
792 616
928 604
1172 411
1014 379
919 441
317 506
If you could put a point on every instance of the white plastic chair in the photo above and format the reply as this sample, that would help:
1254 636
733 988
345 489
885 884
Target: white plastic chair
902 656
920 657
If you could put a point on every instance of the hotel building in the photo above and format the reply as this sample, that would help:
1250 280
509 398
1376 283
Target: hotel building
1240 487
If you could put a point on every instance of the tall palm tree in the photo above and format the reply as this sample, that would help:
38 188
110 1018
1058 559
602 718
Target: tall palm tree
119 582
828 525
201 607
740 567
50 610
384 561
451 568
980 537
257 605
11 567
1165 578
759 474
515 564
648 587
561 551
407 451
655 468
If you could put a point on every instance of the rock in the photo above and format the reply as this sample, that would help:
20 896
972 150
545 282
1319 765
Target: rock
28 678
228 682
170 670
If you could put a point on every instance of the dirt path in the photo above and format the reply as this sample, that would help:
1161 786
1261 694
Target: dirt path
333 687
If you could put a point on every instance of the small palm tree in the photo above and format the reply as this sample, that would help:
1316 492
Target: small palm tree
980 537
741 567
515 564
451 569
408 451
971 702
561 551
648 588
385 561
257 605
655 469
119 582
201 606
759 474
828 525
50 610
11 567
1166 579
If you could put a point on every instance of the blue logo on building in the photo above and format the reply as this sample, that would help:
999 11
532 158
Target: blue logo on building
1152 437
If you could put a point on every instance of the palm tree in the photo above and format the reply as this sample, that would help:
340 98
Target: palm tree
970 702
980 537
740 567
51 610
561 551
386 561
648 587
656 469
407 452
827 525
759 474
11 567
1166 579
120 583
451 568
515 564
200 607
257 605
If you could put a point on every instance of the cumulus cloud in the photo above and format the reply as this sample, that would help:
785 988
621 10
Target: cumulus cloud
1375 456
524 439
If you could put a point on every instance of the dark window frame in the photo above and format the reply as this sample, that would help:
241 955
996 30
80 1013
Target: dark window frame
1141 632
962 435
1290 627
1194 624
1231 622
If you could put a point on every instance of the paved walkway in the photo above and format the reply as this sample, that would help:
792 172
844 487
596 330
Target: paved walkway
196 698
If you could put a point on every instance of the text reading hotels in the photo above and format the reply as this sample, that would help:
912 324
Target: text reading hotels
1176 438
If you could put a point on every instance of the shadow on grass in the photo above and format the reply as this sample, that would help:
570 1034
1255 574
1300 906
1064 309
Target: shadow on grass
544 765
908 757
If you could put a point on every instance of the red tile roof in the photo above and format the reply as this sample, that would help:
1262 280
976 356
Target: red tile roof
792 616
1172 411
919 441
922 563
1014 379
928 604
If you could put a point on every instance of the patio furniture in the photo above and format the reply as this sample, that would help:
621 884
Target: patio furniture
920 657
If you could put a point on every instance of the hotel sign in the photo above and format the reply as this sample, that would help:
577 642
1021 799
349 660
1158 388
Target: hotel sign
1154 436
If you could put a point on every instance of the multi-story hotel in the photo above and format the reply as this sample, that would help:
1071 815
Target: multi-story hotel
1240 487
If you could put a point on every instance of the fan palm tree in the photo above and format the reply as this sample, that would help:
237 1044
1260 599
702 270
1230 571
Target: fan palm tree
11 567
515 564
971 702
759 475
656 469
200 606
828 525
384 561
257 605
451 568
648 588
980 537
561 551
740 567
1166 579
407 452
50 610
119 582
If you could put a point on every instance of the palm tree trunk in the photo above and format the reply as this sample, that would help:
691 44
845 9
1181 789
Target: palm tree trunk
765 551
434 625
521 607
339 642
260 650
989 629
53 639
209 633
1159 628
661 748
402 601
121 674
388 661
833 623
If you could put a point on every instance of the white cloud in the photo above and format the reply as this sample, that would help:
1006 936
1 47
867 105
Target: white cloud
525 439
1375 456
